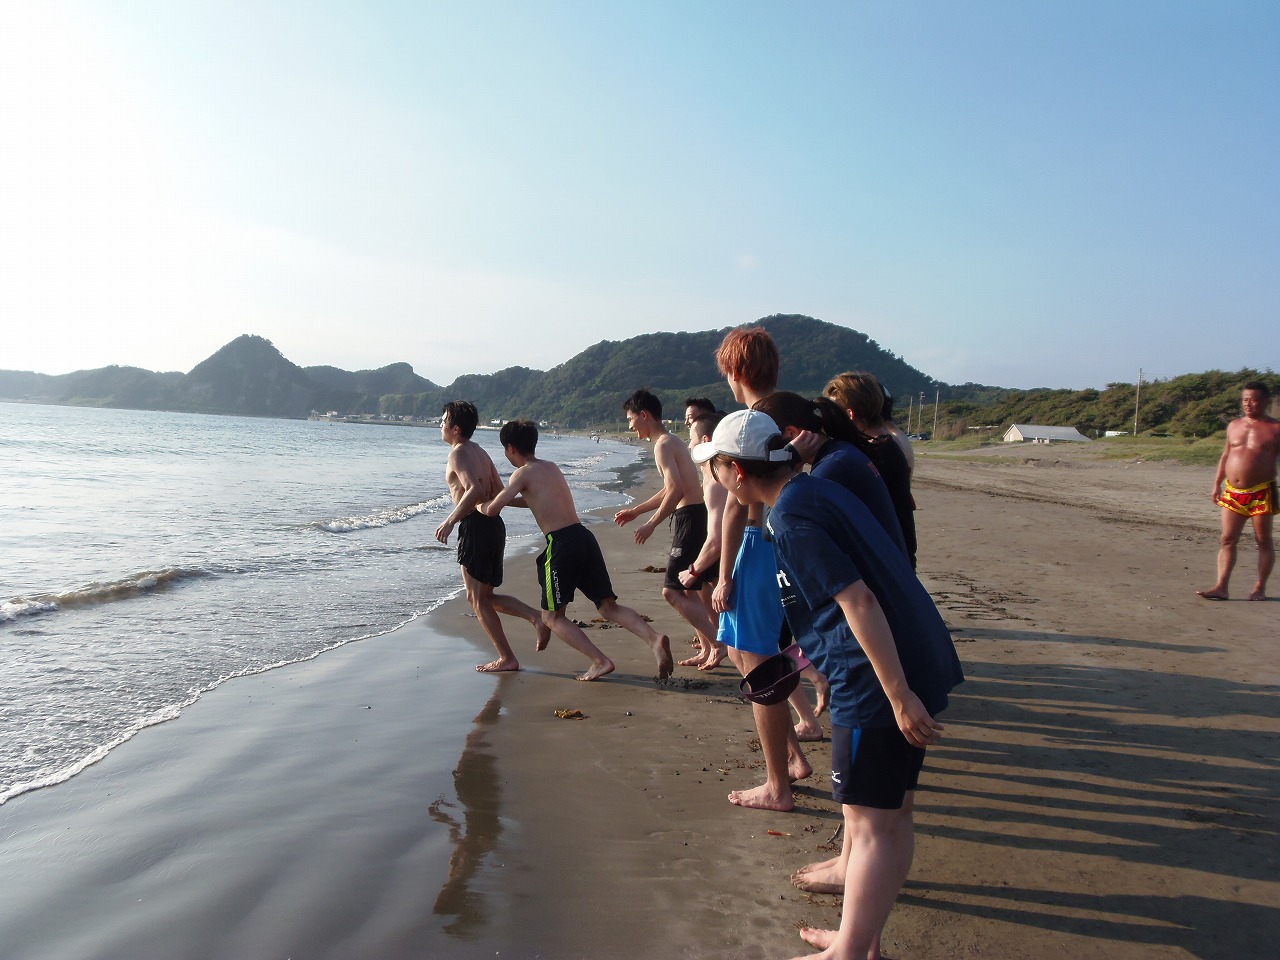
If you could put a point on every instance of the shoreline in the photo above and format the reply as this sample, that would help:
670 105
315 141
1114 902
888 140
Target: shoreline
1106 786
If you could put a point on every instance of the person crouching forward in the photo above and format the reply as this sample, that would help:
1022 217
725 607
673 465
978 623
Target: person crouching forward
859 613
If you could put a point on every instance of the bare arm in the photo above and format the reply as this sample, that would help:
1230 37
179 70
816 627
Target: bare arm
627 514
862 612
508 495
710 551
1221 475
473 494
733 527
668 497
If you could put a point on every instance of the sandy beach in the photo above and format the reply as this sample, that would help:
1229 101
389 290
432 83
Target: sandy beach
1106 787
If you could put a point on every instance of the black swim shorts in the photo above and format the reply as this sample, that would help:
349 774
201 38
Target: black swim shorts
481 543
688 534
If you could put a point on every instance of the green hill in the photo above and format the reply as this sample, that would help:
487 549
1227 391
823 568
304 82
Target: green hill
249 376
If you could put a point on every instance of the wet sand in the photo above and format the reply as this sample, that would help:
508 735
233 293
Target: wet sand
1107 785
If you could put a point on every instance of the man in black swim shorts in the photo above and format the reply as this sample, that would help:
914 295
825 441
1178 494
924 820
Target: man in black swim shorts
473 480
681 499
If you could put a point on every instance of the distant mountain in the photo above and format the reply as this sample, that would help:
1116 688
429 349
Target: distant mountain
250 377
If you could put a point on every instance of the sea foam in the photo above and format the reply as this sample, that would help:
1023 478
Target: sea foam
382 518
92 594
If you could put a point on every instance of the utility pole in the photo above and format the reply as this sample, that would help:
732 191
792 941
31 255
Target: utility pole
910 406
936 395
1137 399
920 414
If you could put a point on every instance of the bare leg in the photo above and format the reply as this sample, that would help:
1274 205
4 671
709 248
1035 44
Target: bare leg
1266 554
828 876
514 607
722 650
1232 526
807 727
572 634
784 761
689 605
882 845
480 596
632 621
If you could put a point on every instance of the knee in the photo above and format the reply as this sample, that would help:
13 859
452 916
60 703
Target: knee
671 595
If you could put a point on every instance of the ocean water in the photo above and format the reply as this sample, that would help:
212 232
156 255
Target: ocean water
146 558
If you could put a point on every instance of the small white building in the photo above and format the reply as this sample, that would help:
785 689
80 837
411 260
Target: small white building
1035 433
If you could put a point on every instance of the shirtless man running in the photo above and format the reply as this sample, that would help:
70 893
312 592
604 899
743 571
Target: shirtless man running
473 480
681 499
1248 468
572 560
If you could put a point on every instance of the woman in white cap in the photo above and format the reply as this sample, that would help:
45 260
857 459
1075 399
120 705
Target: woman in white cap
859 613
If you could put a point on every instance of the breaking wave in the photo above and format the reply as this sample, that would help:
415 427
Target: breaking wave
382 518
99 592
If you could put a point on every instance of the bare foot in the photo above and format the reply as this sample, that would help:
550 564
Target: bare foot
597 671
822 866
798 768
691 662
662 653
808 733
819 878
1214 594
498 666
762 797
544 633
1259 593
718 653
817 938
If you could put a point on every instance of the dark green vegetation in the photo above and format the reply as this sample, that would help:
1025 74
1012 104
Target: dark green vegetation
1192 405
250 377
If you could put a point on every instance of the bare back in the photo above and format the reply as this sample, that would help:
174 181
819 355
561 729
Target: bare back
470 466
546 493
1252 448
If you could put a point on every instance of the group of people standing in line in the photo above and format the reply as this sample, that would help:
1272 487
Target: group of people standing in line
764 556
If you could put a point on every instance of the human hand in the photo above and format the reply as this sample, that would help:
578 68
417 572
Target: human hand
807 444
643 532
920 729
689 578
623 517
722 596
443 531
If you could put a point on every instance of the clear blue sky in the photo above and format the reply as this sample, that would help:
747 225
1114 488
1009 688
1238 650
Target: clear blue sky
1018 193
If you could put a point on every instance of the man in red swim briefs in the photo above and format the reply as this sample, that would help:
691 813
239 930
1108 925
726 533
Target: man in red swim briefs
1245 488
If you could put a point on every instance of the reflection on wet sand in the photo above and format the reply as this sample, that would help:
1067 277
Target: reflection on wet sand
479 793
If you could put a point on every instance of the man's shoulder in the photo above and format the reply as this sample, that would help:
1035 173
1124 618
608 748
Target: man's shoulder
542 468
471 454
669 445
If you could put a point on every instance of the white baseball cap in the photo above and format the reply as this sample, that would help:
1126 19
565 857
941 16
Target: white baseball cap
743 435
